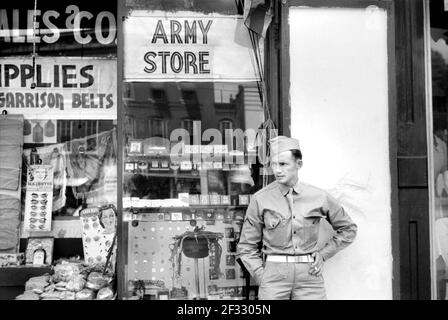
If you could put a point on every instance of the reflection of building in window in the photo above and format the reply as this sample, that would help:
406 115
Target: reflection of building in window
224 92
127 90
128 127
191 101
226 124
187 124
141 128
74 129
158 127
189 96
439 74
248 105
159 95
192 127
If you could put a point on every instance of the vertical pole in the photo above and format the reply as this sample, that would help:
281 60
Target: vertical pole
196 274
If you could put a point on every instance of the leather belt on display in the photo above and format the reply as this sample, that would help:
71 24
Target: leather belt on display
305 258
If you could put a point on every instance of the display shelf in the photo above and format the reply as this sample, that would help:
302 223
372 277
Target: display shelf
13 279
204 207
16 276
62 227
66 218
164 174
62 218
128 216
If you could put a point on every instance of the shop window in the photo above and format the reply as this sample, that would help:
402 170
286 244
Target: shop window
176 190
187 124
158 127
66 96
180 196
438 46
189 96
225 125
158 96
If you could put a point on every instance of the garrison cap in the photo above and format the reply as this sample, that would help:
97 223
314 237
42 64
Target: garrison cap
283 143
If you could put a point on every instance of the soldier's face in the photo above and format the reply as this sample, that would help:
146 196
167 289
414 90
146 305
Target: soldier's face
285 168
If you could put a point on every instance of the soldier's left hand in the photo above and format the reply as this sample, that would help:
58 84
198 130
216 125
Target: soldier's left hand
316 266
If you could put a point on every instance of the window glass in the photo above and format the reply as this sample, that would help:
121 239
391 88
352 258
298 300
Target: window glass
439 71
61 76
188 177
58 70
166 201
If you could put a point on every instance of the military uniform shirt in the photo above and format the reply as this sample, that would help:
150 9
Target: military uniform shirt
286 220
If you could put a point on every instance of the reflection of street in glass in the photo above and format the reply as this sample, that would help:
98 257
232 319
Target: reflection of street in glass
230 274
230 260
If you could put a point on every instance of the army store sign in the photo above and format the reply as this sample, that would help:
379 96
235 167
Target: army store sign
187 46
59 88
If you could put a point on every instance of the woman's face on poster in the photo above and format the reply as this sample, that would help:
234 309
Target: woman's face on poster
108 219
40 174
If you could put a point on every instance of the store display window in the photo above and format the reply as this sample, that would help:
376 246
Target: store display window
438 46
192 114
185 215
58 98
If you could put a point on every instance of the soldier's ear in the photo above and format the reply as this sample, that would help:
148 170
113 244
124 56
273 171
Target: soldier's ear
299 163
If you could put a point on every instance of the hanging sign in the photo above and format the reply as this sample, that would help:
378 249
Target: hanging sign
186 46
39 198
99 226
74 22
59 88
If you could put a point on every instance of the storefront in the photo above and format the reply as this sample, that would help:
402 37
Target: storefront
59 143
152 118
191 118
436 52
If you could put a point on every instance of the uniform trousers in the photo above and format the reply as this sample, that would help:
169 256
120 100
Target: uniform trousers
290 280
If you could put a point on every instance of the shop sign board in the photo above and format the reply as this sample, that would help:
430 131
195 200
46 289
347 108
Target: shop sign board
59 88
63 22
187 46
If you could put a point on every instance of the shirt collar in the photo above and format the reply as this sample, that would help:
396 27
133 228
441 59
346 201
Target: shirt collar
285 189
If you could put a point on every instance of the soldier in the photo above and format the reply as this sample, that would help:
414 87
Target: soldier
285 217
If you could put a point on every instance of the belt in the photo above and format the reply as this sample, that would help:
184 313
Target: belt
304 258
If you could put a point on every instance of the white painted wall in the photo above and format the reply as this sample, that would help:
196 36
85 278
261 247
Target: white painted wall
339 112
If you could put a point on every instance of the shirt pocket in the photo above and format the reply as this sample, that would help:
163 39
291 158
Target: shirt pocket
276 229
309 232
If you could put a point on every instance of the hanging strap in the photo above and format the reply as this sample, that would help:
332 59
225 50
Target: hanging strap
33 85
